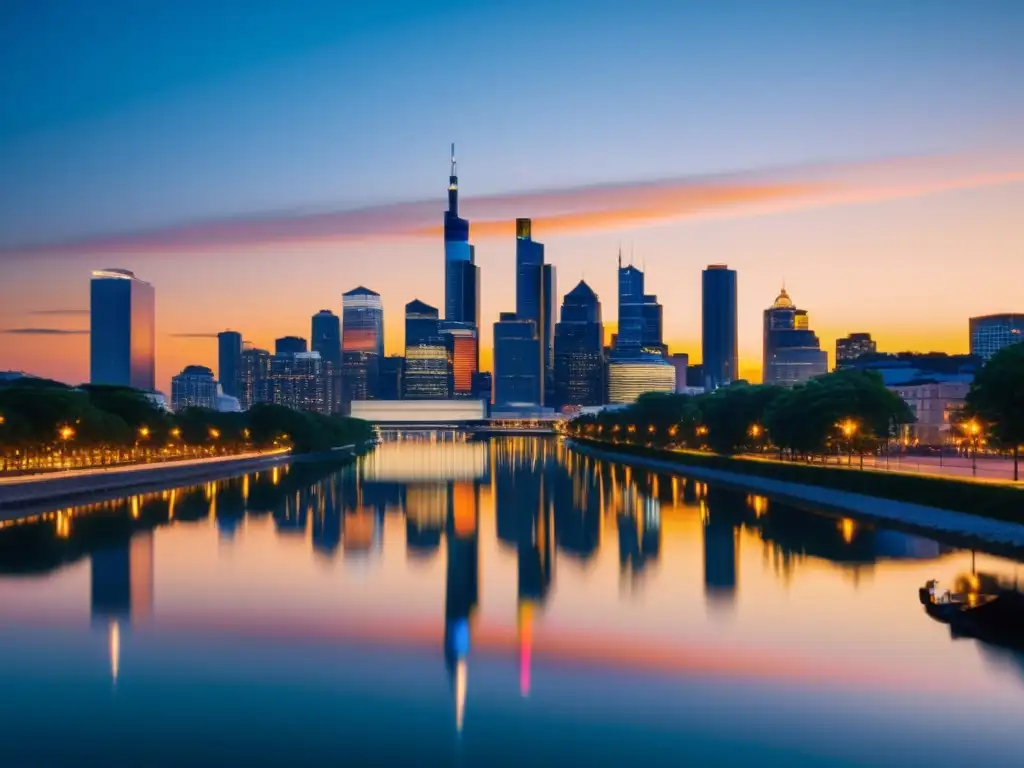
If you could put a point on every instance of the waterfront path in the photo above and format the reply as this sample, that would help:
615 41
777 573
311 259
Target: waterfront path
916 517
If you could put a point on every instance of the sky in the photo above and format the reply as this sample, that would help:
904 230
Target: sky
254 160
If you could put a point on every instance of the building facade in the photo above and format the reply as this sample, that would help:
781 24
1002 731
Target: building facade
719 339
463 346
289 345
325 338
122 335
428 366
579 350
194 387
849 348
392 371
628 378
253 378
681 362
640 316
301 382
229 357
518 375
535 300
935 405
792 352
362 344
991 333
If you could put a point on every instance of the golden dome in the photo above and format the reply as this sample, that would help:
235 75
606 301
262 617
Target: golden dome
782 301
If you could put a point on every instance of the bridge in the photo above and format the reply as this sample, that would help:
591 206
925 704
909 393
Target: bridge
461 416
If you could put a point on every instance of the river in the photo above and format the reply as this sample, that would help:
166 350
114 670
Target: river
486 602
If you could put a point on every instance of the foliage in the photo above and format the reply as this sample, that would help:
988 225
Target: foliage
996 400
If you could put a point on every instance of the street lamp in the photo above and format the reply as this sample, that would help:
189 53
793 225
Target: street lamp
66 433
849 428
974 429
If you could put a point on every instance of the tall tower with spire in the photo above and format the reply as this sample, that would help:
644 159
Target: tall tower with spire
461 274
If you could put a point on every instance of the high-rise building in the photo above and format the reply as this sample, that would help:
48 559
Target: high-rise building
640 316
289 345
792 352
463 346
630 377
461 275
325 338
483 386
535 301
518 376
853 346
122 336
229 357
194 387
362 344
428 367
720 347
579 350
301 381
253 377
991 333
392 370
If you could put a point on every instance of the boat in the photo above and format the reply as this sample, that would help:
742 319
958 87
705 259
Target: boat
979 607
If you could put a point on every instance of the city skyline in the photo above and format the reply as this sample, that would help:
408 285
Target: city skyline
902 166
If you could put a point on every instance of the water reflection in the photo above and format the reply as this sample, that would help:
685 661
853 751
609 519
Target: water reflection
454 510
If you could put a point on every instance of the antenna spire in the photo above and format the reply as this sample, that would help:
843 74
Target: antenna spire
620 254
453 159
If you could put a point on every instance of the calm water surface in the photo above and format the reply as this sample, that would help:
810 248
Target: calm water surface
503 602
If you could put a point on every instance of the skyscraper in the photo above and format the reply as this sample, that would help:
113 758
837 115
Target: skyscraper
518 376
463 345
535 301
301 382
229 357
792 352
991 333
640 316
719 342
392 371
853 346
579 350
461 275
325 338
253 377
428 370
362 343
122 340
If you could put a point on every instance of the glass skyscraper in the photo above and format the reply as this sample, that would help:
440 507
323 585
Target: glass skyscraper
991 333
579 350
535 301
792 352
428 366
518 376
362 343
461 274
462 344
325 338
719 341
122 340
640 316
229 357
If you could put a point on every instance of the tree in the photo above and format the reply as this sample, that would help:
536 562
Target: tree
996 399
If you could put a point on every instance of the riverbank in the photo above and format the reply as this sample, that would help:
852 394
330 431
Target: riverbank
19 494
920 517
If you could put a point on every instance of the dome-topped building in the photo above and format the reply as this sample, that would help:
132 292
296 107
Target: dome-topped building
792 351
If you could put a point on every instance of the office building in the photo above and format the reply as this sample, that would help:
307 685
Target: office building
461 274
853 346
935 405
301 381
392 369
719 341
194 387
579 350
289 345
253 376
681 362
640 316
792 352
630 377
908 367
325 338
518 375
362 344
122 335
463 346
229 357
483 386
428 367
991 333
535 301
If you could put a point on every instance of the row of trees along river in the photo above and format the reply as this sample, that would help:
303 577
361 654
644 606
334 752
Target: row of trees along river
47 425
845 412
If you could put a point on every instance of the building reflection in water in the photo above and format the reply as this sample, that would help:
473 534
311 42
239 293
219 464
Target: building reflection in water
549 502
